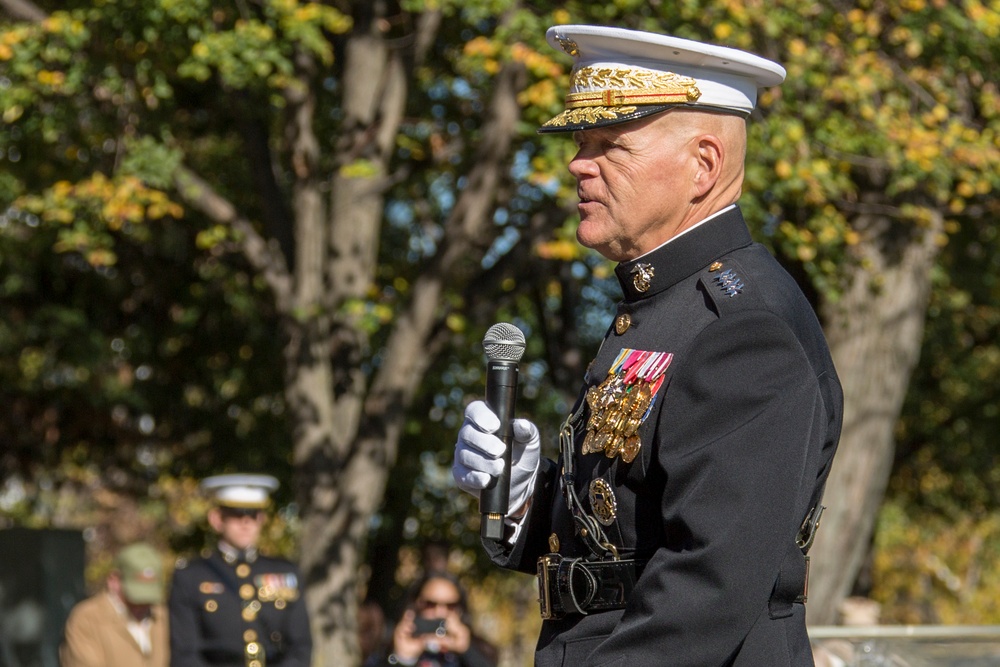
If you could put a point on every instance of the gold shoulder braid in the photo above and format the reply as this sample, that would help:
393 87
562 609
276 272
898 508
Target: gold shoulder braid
621 403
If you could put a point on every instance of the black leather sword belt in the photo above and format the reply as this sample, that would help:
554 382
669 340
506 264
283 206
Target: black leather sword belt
576 586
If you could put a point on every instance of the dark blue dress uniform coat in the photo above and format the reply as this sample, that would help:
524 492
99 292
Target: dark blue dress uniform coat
227 611
734 454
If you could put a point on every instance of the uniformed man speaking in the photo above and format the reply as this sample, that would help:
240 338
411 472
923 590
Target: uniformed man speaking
674 529
236 607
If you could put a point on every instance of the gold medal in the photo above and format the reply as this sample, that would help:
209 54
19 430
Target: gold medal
620 404
631 448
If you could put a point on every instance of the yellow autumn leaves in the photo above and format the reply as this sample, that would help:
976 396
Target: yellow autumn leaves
87 209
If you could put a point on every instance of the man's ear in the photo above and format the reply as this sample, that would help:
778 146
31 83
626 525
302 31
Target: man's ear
709 153
215 519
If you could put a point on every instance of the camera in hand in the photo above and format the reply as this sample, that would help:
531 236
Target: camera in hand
429 626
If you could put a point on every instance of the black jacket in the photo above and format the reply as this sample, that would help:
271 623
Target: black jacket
734 453
219 608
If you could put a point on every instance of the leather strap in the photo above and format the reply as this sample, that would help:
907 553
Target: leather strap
576 586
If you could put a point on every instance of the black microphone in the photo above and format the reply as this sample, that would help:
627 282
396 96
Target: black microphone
504 345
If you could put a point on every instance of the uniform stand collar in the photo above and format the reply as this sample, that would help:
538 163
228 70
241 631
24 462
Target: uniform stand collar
687 254
232 555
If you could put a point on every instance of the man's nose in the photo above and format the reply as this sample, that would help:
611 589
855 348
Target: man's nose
582 165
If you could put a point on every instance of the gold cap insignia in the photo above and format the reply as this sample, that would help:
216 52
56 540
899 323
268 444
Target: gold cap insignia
569 46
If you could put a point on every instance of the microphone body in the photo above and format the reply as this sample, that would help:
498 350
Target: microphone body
504 344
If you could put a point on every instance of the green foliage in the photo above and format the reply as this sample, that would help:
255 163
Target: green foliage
944 495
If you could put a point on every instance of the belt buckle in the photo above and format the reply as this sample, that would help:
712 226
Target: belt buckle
544 585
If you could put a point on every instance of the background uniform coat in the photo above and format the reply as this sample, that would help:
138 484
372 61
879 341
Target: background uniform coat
97 636
219 608
734 454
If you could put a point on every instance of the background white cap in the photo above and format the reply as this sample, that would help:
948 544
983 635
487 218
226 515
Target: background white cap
240 490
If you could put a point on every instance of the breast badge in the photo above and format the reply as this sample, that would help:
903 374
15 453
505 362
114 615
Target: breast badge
603 502
621 403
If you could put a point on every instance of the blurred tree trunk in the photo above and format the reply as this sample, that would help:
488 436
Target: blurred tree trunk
347 432
875 333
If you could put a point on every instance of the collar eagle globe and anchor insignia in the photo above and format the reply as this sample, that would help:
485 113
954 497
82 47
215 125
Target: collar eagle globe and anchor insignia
642 277
603 501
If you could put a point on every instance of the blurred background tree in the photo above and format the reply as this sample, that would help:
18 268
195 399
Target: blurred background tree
269 235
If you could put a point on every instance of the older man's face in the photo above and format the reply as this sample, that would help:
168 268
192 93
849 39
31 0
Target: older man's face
633 182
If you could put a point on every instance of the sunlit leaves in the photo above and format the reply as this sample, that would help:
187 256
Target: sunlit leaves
88 211
249 50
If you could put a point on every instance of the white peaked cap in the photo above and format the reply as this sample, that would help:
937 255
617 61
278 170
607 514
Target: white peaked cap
240 490
621 75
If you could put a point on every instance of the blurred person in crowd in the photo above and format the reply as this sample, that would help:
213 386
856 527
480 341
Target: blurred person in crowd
372 629
125 625
235 607
435 630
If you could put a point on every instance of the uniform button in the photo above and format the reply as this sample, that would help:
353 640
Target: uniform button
211 606
622 323
243 570
250 636
715 266
279 604
247 591
253 648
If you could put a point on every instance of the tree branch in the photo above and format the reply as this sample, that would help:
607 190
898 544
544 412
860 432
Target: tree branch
265 256
23 10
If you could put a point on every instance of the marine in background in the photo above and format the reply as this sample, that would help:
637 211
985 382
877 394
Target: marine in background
235 607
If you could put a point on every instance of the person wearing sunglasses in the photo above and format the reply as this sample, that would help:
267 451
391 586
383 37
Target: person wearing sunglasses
236 607
435 630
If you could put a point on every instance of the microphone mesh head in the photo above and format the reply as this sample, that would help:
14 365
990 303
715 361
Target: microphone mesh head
504 342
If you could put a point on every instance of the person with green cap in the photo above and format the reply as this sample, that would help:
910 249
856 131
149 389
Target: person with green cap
126 625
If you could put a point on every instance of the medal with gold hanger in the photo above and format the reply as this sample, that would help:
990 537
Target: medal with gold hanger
621 403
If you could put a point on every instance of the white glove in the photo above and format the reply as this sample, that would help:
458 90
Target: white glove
478 452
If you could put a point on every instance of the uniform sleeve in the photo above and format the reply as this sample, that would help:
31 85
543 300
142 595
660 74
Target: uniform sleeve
79 649
299 635
737 440
185 635
532 540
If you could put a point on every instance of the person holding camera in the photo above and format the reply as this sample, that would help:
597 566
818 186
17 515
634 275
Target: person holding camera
434 631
